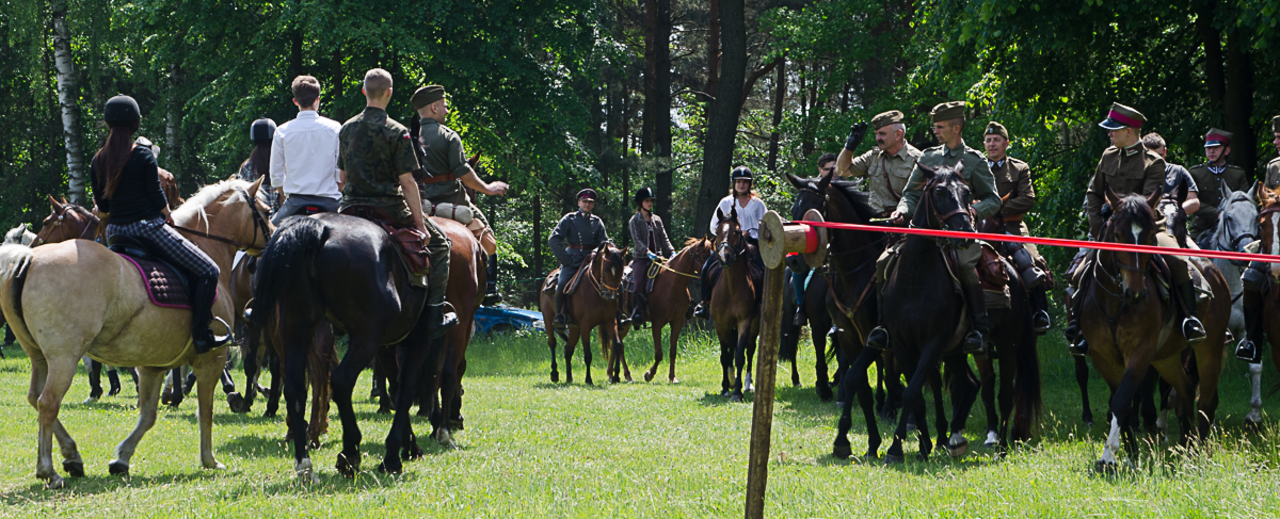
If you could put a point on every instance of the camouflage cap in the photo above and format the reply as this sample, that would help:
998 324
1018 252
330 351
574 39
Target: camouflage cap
1275 124
1216 138
1122 116
885 119
427 95
948 111
995 128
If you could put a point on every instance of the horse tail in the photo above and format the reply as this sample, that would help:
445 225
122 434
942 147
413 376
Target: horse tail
14 261
1027 402
285 261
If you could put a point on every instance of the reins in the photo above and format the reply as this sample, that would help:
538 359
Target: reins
259 225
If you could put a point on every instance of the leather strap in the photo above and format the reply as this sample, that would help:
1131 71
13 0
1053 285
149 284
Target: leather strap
438 179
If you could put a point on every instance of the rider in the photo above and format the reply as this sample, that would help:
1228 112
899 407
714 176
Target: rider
376 164
575 236
887 166
1255 277
948 123
1127 167
304 156
801 274
447 173
1176 178
1217 145
651 242
750 210
261 132
1013 184
126 185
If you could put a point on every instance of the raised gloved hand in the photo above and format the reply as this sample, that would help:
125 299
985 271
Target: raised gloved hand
856 133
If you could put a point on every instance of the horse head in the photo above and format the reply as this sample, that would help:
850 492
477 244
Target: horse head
1269 223
697 251
19 236
608 265
1133 221
66 222
729 241
945 200
811 194
229 211
1237 220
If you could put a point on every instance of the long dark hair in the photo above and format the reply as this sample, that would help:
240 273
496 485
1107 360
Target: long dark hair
260 162
114 154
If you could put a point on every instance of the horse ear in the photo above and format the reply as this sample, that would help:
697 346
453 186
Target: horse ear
253 189
1224 191
1112 198
824 182
1154 198
720 214
795 181
54 203
1253 192
64 200
733 210
928 171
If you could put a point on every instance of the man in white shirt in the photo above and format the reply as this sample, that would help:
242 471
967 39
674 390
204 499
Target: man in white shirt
750 210
304 156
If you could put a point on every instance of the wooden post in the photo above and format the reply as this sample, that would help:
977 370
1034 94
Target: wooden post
762 414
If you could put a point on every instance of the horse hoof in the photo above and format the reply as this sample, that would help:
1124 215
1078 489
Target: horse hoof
555 377
457 424
614 379
305 472
674 380
74 468
348 467
118 468
90 400
842 451
648 377
235 401
270 413
384 409
1252 425
735 398
993 440
1088 423
824 392
390 467
589 382
1108 468
958 448
55 482
891 459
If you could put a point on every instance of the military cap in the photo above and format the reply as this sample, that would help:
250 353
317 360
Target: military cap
1275 124
995 128
948 111
1216 138
427 95
587 194
885 119
1122 116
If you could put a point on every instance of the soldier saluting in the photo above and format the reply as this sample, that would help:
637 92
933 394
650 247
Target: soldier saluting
575 236
887 166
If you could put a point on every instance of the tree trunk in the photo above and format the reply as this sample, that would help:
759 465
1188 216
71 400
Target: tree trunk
295 53
335 88
1215 77
1238 105
68 102
722 125
650 77
713 51
779 96
172 134
662 110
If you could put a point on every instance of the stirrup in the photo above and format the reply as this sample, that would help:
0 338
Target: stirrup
878 339
1248 351
975 343
1193 330
1040 322
1079 349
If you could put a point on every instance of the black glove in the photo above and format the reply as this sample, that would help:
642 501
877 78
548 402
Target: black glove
856 132
1105 212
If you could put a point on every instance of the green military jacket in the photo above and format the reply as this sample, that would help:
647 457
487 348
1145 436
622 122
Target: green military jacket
1013 183
976 173
576 235
1133 170
886 174
374 150
1273 173
1210 194
443 157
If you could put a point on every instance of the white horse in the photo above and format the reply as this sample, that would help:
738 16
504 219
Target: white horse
1237 227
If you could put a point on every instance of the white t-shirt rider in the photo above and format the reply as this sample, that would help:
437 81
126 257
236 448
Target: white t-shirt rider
748 216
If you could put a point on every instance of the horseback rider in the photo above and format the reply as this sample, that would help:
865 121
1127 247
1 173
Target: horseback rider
447 174
575 236
126 186
375 166
1217 146
1128 167
801 274
948 123
1255 277
1177 180
304 156
887 166
1013 184
750 210
650 241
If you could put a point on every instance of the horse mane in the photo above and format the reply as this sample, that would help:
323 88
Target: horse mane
1135 208
860 200
19 236
194 207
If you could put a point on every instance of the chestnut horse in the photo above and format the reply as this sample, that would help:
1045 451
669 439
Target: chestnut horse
735 307
593 304
1131 328
112 320
669 299
1269 241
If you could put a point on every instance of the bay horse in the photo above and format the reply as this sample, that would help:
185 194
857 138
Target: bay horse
1131 328
347 271
1269 243
669 299
593 305
113 320
735 306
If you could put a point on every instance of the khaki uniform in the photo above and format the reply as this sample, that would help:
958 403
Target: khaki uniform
887 174
374 150
1013 183
445 159
1210 194
575 236
1273 173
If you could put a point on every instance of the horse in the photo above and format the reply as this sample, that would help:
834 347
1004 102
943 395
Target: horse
819 322
1269 243
589 307
735 307
669 299
113 321
1122 312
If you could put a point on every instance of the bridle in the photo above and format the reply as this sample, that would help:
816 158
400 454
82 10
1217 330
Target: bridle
85 234
1233 243
259 226
606 292
939 221
729 251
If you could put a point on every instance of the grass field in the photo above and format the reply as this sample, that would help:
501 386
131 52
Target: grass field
532 448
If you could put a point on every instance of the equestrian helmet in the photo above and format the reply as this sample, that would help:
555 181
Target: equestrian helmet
643 194
121 110
262 130
740 173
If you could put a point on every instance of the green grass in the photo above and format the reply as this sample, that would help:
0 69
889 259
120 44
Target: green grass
532 448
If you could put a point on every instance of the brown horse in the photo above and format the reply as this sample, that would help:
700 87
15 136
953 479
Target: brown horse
1269 238
734 306
1130 328
113 321
594 304
669 299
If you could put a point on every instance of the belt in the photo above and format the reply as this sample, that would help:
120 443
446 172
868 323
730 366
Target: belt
438 179
579 247
1013 218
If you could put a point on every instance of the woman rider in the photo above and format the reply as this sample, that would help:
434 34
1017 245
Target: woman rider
750 210
650 239
259 162
127 186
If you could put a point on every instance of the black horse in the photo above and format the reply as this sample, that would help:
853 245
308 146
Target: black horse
345 270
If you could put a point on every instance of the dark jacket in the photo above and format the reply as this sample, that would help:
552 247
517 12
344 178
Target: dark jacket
575 236
138 195
640 237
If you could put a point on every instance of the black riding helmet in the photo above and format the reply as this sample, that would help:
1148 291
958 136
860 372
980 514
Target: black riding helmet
643 194
741 172
121 110
262 130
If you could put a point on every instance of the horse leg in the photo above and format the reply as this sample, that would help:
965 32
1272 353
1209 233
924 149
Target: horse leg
1082 380
95 379
417 355
206 367
1144 400
611 348
551 343
72 463
855 379
751 356
1209 368
237 402
57 380
609 335
913 404
1254 418
149 382
963 394
1121 406
387 369
228 384
276 366
822 383
673 336
342 384
727 342
318 357
987 377
656 330
739 362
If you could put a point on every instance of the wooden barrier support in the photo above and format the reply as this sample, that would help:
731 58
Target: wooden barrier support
776 240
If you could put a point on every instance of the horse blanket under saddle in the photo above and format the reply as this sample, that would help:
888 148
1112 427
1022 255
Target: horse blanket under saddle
549 284
165 286
412 243
993 273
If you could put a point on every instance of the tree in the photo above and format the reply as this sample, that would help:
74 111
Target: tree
68 101
726 108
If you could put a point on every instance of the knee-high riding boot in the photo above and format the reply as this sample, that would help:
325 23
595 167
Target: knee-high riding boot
1249 348
1192 328
203 291
975 342
491 294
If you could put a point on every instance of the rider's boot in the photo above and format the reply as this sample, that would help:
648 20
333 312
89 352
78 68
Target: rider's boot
878 338
562 319
1033 279
440 318
1075 336
639 314
491 294
1192 328
1254 278
1040 321
1031 275
203 290
975 343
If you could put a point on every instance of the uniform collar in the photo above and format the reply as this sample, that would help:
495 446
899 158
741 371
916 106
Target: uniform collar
956 151
1136 149
995 164
902 152
373 110
429 121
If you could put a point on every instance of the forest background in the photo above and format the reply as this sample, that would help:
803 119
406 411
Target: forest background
616 95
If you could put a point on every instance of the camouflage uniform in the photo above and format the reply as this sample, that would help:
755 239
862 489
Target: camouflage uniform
374 150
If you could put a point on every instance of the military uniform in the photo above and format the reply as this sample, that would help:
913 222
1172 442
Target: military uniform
445 160
374 150
1273 173
1013 184
1207 179
575 236
1255 279
886 173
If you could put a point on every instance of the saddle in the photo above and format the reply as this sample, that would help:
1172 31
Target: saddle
167 285
549 284
413 244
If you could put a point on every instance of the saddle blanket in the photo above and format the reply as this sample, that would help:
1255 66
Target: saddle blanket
163 285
